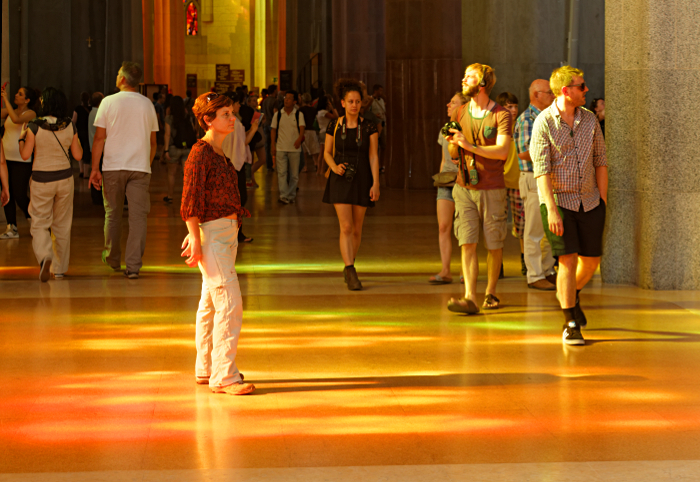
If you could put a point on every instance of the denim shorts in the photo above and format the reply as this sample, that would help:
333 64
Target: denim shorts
445 193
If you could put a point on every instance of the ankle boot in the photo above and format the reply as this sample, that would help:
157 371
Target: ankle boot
351 279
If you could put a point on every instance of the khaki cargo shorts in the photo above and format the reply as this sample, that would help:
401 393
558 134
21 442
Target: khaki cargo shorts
474 208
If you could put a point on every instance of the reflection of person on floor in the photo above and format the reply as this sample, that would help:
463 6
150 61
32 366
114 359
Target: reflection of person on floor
568 153
480 150
445 202
212 209
49 138
353 182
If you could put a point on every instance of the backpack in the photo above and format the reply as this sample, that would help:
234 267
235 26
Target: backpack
296 115
185 136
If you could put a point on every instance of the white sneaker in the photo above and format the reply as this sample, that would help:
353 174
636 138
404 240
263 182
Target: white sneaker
11 232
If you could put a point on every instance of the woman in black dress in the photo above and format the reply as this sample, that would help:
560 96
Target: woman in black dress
353 184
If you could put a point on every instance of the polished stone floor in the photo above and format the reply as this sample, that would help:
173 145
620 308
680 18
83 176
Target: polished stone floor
384 384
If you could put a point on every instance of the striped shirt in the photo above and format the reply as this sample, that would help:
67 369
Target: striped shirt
569 156
522 134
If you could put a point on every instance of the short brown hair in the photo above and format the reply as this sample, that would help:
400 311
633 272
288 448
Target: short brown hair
132 73
204 107
506 98
487 77
562 77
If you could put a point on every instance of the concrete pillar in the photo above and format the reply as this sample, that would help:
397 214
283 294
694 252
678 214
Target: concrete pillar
358 41
423 70
169 45
652 62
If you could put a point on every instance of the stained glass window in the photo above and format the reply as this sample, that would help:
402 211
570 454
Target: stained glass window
192 22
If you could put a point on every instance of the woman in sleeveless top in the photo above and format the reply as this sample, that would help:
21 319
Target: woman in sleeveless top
49 138
19 170
353 182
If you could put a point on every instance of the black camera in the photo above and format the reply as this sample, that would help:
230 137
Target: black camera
450 125
350 172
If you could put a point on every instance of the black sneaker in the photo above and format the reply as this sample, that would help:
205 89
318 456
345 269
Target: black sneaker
572 334
523 267
283 201
578 314
131 274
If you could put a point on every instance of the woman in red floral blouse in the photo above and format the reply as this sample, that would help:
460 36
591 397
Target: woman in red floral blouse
211 207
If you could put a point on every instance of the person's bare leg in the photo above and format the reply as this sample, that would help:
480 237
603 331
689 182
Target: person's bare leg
347 251
585 269
470 270
358 218
172 170
494 260
260 155
566 280
445 214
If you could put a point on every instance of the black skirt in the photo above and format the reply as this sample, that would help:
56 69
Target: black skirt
356 192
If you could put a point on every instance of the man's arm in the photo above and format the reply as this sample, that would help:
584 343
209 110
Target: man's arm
300 139
525 156
499 151
98 145
601 176
544 184
154 146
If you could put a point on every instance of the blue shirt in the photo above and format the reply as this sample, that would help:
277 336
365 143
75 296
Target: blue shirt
523 133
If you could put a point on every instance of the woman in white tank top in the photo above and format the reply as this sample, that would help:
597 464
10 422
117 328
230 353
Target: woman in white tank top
19 170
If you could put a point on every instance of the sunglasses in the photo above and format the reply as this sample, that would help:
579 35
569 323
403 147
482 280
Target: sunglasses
581 86
212 96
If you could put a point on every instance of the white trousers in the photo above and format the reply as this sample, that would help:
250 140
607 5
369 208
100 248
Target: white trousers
51 207
538 253
220 313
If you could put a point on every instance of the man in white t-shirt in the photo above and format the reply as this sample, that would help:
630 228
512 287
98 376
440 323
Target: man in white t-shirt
287 135
125 128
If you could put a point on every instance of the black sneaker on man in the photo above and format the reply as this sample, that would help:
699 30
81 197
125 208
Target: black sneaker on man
131 274
572 334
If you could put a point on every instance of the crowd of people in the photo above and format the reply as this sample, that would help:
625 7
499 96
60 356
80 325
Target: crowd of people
557 150
547 164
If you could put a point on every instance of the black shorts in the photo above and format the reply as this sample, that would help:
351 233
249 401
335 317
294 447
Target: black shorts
583 231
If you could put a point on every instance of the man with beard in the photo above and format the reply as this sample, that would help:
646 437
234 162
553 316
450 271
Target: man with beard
480 150
568 154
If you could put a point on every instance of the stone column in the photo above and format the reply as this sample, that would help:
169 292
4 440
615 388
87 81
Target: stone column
652 61
423 70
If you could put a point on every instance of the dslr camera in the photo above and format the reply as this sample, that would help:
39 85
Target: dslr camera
350 172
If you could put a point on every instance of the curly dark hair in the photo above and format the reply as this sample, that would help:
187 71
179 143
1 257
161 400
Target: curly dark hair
343 86
53 103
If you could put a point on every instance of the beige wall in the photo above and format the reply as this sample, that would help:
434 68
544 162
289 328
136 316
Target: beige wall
223 40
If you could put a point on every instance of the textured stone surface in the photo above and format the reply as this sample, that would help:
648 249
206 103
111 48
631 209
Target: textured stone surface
653 131
527 40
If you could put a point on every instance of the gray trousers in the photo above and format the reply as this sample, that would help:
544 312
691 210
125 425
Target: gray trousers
133 184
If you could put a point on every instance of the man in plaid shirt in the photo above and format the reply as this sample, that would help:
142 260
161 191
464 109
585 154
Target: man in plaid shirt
538 257
568 153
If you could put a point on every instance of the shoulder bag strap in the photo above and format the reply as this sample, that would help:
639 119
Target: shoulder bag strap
59 143
334 131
